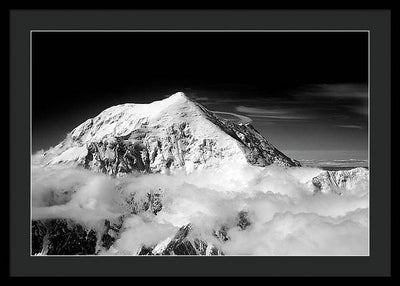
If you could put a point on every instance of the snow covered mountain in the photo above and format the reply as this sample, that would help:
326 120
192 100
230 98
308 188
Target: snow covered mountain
343 181
163 136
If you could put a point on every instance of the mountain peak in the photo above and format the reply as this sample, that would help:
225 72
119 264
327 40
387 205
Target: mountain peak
178 96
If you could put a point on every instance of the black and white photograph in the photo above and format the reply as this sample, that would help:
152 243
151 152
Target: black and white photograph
200 142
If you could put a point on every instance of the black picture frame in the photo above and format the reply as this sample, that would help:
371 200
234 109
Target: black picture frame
377 22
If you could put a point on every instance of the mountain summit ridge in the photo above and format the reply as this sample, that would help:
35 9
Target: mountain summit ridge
162 136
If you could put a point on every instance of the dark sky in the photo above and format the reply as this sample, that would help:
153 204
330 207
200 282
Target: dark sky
305 92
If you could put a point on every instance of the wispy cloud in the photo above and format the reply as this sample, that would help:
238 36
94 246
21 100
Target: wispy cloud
285 117
259 111
350 100
274 114
344 91
241 118
363 109
350 126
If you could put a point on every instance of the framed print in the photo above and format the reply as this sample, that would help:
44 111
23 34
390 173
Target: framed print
172 143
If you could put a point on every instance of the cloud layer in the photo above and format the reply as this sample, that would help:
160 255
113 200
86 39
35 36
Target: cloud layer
286 217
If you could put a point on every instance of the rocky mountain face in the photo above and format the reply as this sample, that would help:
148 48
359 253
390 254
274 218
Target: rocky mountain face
342 181
183 243
163 136
66 237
